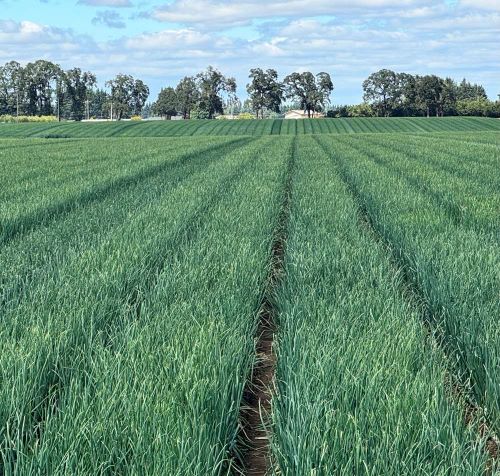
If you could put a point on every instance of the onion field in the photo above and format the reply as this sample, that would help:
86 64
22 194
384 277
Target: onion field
299 298
355 125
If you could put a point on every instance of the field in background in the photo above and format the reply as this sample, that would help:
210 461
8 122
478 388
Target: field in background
250 127
133 268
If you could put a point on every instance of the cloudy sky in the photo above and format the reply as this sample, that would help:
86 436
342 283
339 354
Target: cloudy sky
161 41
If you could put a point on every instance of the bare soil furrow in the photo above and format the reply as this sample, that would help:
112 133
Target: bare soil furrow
253 452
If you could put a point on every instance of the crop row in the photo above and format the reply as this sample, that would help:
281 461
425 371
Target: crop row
359 388
466 189
453 263
50 181
130 288
110 361
249 127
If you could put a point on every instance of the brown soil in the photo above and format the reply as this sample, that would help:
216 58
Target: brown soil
257 396
473 415
254 454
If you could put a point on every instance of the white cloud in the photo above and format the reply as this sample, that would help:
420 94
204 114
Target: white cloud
422 12
419 37
486 4
30 33
478 22
109 18
169 40
230 12
29 27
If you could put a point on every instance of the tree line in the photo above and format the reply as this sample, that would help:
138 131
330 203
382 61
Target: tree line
43 88
387 93
210 93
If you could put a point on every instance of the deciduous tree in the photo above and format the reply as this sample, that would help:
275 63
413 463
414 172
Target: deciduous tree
382 90
187 96
140 94
11 88
265 91
430 95
77 86
41 81
212 86
128 95
166 104
312 93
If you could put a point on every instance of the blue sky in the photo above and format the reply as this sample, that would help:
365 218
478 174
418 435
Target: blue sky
161 41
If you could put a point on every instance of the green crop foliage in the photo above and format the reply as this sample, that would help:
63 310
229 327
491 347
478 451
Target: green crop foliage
135 256
81 172
249 127
178 323
450 250
359 391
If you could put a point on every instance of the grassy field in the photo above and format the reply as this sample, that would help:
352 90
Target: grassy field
137 270
249 127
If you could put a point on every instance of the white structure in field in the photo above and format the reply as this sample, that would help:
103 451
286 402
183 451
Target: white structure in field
299 114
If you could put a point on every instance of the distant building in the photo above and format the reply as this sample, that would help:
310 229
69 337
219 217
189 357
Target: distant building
299 114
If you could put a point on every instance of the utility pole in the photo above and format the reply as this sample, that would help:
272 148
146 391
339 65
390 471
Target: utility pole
88 111
111 110
17 104
58 108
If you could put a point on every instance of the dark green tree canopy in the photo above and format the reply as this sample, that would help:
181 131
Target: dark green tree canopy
99 102
166 104
265 91
403 94
382 89
77 85
430 94
311 92
187 96
407 84
11 87
42 79
44 88
140 94
128 95
212 87
467 90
